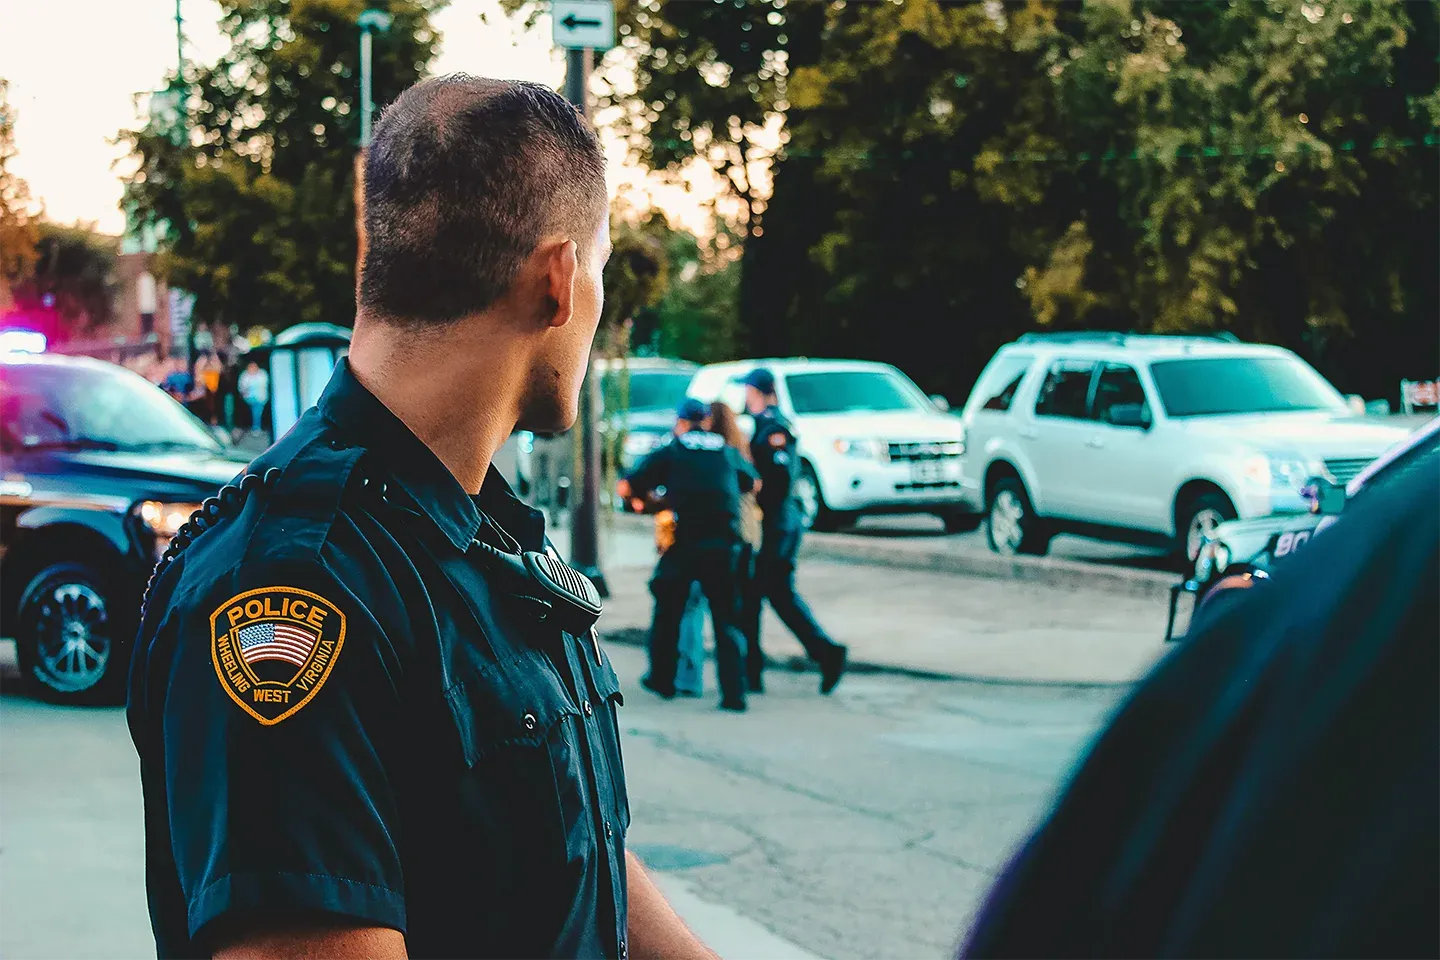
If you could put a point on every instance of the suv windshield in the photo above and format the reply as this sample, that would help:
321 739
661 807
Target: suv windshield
55 407
647 389
1227 385
850 391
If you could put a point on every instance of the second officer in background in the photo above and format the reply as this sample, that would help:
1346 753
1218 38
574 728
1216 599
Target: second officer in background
772 448
703 478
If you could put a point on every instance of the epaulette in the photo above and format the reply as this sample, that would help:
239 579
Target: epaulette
227 502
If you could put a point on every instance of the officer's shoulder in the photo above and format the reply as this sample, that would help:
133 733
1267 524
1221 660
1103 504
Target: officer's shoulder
700 440
278 513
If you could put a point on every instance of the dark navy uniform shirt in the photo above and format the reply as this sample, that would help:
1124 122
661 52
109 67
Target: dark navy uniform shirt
338 710
773 448
703 477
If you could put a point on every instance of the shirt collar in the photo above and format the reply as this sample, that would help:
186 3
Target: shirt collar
360 417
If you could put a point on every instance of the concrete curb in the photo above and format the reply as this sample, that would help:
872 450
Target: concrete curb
1050 571
640 637
920 553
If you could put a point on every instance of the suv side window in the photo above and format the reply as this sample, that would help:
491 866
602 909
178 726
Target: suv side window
1066 390
1117 386
998 384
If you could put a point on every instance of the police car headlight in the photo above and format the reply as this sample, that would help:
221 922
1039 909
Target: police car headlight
862 449
639 444
164 519
525 440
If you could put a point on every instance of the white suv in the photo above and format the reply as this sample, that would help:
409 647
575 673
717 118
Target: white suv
870 441
1150 439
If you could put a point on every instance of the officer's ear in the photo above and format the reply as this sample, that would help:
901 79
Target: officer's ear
557 263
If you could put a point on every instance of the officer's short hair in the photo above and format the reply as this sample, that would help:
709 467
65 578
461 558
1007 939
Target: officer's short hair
463 178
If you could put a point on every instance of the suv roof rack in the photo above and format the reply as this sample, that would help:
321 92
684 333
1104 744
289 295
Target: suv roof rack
1112 336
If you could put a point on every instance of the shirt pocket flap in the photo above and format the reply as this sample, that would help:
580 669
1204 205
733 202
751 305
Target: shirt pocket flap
512 703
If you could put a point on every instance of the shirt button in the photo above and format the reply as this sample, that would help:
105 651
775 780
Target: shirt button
529 721
587 708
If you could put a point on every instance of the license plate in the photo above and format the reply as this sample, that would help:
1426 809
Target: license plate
927 471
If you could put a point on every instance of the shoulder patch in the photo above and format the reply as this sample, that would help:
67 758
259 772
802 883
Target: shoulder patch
273 649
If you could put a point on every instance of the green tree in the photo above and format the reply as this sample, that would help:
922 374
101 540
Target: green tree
259 202
18 233
73 280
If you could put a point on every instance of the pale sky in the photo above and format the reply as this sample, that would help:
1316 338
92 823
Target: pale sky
76 67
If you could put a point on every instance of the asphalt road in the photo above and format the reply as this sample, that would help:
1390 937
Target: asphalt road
866 824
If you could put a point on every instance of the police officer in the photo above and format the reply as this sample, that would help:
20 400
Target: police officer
772 448
372 718
703 478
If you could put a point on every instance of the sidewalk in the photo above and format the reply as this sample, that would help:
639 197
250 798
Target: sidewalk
932 622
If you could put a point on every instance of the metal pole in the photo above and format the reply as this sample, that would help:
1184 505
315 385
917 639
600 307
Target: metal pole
585 519
179 44
366 107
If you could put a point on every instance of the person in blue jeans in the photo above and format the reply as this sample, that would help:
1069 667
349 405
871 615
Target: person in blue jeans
690 674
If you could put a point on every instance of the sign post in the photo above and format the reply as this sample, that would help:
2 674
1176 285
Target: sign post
581 26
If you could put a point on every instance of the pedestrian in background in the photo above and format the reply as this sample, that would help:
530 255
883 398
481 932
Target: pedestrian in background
690 676
255 391
772 449
703 479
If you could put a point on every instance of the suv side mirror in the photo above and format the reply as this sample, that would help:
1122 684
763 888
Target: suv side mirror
940 402
1129 415
1325 496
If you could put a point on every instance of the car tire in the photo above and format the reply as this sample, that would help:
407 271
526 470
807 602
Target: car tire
72 640
1196 517
1011 525
814 514
960 521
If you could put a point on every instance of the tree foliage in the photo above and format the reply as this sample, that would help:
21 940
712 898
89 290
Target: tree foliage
1266 168
71 289
18 231
259 200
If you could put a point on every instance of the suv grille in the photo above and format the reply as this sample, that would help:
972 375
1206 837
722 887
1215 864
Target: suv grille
1347 469
910 451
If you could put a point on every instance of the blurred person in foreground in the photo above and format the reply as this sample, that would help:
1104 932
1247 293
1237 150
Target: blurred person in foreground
703 478
773 451
371 721
1271 789
690 675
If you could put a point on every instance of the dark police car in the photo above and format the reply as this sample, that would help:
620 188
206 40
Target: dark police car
1241 553
98 469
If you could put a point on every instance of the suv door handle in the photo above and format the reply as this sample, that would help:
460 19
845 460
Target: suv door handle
1096 442
1029 433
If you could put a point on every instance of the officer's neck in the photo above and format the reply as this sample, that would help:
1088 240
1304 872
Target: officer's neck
462 403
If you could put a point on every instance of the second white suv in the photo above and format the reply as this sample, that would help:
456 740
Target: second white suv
870 441
1150 439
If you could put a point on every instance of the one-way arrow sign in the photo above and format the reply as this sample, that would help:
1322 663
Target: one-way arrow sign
583 23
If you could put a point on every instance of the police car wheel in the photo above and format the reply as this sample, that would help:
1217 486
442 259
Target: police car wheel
67 637
1011 524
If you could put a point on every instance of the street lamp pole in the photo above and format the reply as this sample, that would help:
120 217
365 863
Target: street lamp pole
370 21
585 520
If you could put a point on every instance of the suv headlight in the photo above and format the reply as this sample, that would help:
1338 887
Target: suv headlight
1281 471
164 520
863 449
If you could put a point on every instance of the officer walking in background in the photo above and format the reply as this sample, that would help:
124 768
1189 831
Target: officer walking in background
372 716
703 478
772 448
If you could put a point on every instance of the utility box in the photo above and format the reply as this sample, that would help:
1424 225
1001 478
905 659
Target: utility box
302 358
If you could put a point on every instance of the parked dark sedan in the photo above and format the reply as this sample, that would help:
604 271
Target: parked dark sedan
98 469
1240 554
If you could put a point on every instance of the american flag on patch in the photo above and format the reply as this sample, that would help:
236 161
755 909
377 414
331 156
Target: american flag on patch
276 641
